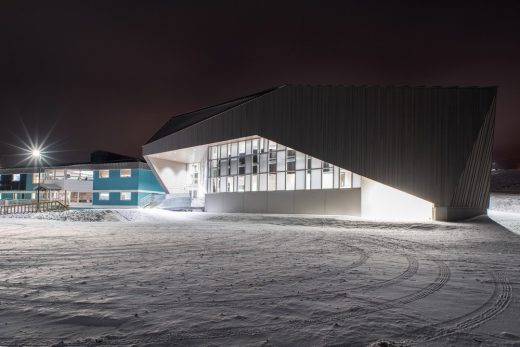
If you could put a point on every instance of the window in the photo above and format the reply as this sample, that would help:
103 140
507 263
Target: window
326 181
234 166
280 161
263 182
104 173
291 181
214 185
234 149
300 180
193 173
36 178
248 183
87 175
300 161
214 152
248 165
223 183
224 151
104 196
316 179
345 179
16 178
126 196
263 165
224 167
241 183
230 184
254 183
272 182
280 181
214 168
73 174
356 181
125 173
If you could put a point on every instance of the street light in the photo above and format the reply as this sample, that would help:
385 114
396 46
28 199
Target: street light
37 155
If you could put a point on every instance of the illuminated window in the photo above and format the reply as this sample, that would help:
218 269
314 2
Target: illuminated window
214 152
345 179
104 173
87 175
104 196
356 181
254 183
126 196
280 181
36 178
242 147
272 182
125 173
16 178
263 165
241 183
230 184
291 181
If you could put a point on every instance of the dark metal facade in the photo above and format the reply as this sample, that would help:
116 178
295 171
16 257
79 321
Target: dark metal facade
432 142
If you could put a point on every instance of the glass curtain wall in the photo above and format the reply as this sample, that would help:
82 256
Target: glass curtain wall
262 165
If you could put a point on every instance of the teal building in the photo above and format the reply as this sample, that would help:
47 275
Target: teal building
107 181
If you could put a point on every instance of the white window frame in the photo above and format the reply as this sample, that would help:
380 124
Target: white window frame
125 194
104 177
103 195
125 175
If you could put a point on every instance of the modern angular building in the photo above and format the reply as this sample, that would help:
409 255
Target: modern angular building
388 152
107 181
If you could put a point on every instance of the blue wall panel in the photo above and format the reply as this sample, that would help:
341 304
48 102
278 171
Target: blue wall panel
115 182
148 182
115 200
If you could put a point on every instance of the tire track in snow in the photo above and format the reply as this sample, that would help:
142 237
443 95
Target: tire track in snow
411 270
494 306
443 276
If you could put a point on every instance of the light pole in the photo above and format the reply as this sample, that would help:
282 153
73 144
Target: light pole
37 155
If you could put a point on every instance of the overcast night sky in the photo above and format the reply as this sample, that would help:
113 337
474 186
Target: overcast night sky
108 74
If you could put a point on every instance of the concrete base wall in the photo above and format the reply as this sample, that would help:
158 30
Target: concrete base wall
448 214
330 201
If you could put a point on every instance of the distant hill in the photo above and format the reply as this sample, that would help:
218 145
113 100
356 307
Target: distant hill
505 181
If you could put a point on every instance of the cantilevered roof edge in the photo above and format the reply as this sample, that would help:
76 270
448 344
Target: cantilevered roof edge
180 122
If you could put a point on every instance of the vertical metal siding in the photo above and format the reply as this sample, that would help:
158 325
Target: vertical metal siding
415 139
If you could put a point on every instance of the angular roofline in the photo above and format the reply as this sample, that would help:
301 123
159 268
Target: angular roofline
219 108
170 128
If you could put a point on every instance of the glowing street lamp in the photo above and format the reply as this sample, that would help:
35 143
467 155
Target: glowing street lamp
37 156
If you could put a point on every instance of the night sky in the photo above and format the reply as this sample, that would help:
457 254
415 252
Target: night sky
108 74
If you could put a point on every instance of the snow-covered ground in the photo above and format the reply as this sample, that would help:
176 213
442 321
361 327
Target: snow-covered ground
157 278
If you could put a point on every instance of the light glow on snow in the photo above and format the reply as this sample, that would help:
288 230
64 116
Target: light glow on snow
382 202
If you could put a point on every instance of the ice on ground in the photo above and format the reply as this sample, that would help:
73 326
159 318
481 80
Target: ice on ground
159 278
